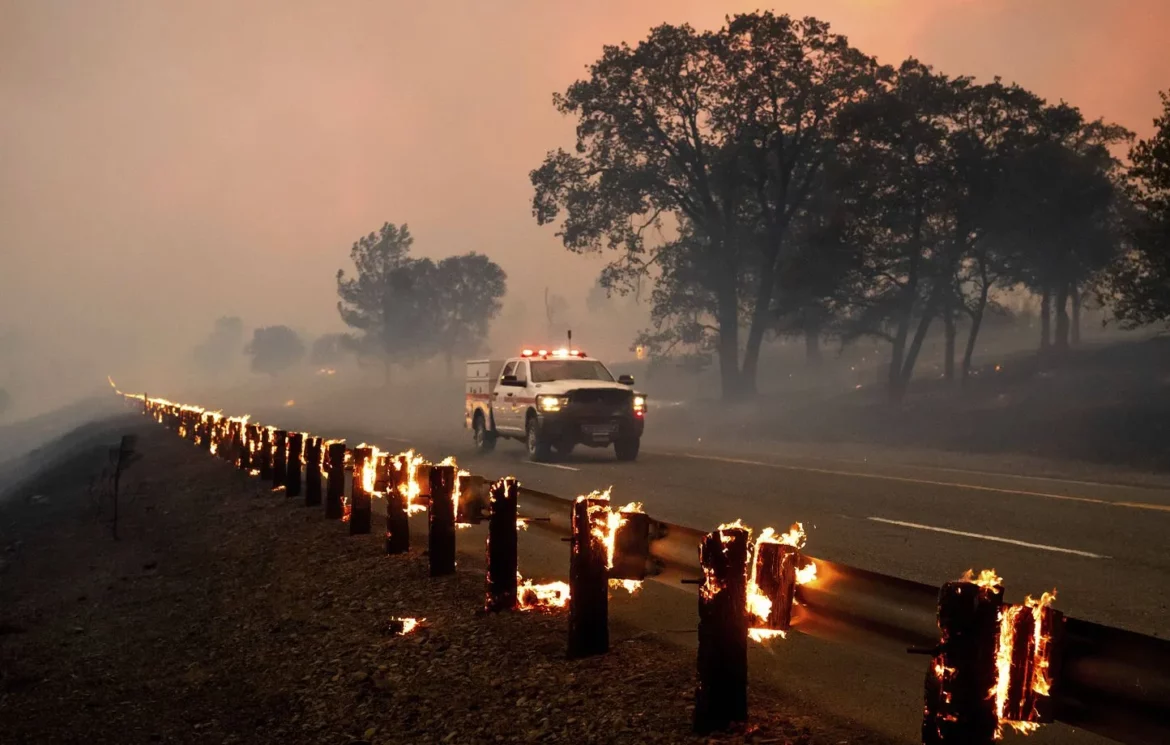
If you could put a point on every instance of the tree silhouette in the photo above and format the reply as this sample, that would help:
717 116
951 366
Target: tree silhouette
275 349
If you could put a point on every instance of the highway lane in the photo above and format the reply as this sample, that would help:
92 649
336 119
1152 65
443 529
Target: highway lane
1100 545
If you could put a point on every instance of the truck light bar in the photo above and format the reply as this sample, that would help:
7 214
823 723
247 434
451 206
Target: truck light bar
555 353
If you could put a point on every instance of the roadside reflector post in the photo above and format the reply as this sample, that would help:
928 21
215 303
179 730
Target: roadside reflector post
631 547
265 453
960 704
588 579
313 472
279 458
248 450
397 516
359 500
335 493
721 696
292 481
502 546
441 520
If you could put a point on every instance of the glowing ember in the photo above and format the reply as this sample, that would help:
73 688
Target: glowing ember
629 585
763 635
549 595
254 472
521 523
403 626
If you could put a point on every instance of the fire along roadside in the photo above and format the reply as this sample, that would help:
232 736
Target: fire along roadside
1021 645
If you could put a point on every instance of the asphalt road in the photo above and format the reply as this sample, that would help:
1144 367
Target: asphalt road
1102 546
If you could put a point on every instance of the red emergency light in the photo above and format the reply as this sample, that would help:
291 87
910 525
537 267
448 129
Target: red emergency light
555 353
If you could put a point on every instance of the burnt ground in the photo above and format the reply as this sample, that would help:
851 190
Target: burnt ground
224 614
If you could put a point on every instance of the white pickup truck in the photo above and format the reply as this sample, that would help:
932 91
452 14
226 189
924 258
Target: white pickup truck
553 401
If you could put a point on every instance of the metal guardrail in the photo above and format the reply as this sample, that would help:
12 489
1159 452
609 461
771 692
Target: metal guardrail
1113 683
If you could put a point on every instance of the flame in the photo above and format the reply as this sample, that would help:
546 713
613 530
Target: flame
1040 682
807 574
410 488
987 578
762 635
549 595
370 470
290 403
521 523
254 472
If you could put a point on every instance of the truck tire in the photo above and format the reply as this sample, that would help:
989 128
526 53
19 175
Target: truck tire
627 448
539 449
485 440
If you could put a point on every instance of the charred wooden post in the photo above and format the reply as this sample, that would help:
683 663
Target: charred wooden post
958 706
335 494
359 500
721 697
292 480
631 547
776 579
397 514
441 520
265 453
279 458
588 580
502 546
205 432
313 472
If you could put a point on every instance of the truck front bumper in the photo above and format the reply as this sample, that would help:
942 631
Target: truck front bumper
593 431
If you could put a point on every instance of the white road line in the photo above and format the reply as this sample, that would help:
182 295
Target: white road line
908 480
553 465
997 539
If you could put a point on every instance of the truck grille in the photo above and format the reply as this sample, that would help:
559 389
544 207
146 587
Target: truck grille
603 396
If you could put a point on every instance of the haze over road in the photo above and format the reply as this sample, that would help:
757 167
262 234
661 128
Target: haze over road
1100 545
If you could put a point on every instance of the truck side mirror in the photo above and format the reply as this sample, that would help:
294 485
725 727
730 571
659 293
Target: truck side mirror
509 380
626 379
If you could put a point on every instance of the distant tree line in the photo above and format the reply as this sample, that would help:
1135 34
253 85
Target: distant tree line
403 310
406 310
771 179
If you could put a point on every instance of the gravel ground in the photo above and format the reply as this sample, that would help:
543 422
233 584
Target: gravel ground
225 614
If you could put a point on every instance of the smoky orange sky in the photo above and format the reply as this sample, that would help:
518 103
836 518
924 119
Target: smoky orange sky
165 163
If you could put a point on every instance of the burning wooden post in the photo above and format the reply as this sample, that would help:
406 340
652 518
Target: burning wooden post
279 458
244 456
959 707
503 566
335 494
721 697
205 432
441 520
774 584
313 472
631 547
397 509
359 500
292 481
589 578
265 453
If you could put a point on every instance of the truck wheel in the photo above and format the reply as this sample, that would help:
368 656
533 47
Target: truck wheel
485 441
538 447
627 448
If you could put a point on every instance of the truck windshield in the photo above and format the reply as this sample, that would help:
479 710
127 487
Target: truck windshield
546 371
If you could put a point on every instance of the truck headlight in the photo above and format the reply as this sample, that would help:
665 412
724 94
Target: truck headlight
552 403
